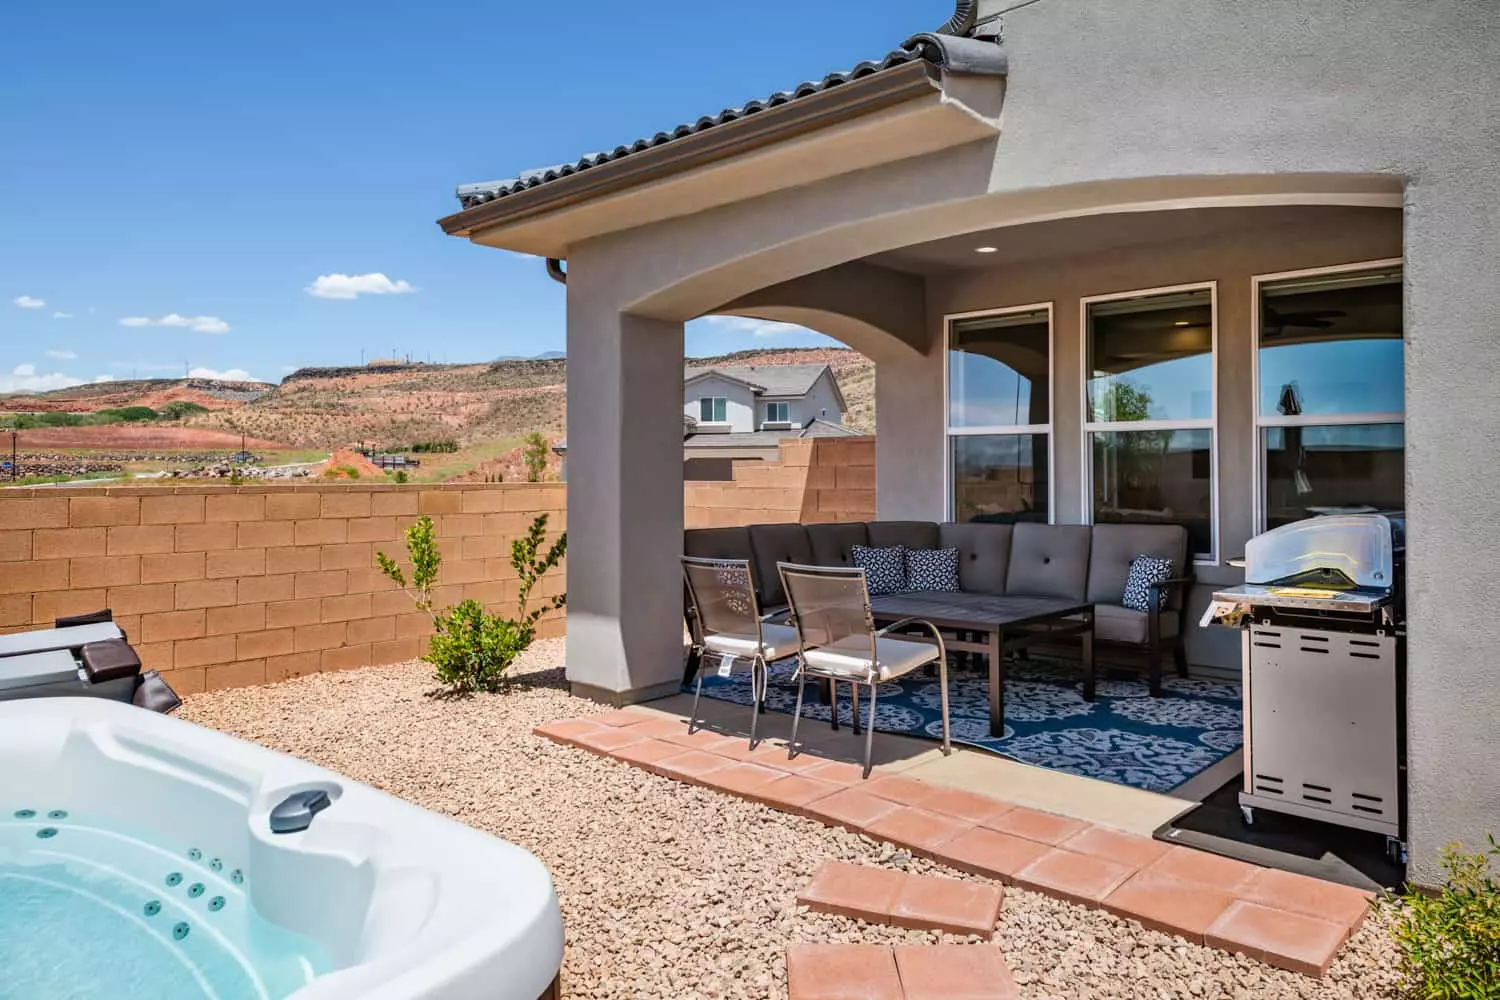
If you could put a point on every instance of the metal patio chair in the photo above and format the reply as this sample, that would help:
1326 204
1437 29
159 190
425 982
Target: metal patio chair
727 623
837 641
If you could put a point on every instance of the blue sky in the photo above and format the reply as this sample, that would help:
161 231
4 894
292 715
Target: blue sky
193 169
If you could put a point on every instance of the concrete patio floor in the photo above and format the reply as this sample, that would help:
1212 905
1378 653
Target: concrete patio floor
1100 802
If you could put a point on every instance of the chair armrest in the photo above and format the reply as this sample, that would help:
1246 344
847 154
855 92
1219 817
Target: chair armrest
924 623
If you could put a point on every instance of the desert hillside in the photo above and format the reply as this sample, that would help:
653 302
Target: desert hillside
395 406
153 392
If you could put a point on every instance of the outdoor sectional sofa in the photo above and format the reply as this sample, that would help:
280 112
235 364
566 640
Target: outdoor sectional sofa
1086 563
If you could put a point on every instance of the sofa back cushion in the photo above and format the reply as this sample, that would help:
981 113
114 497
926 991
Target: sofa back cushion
771 544
983 554
717 543
1115 545
831 543
909 534
1049 560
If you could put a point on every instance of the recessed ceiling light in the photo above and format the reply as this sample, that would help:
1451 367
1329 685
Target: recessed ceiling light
1182 322
986 249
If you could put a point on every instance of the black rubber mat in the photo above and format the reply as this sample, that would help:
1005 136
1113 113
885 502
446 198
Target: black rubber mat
1307 847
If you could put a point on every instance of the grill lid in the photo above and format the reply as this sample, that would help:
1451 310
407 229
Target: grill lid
1331 552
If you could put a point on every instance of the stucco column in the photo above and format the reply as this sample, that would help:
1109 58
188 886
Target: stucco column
1453 514
910 450
624 500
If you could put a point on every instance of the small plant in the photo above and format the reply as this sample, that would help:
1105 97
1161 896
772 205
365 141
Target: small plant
471 649
1450 940
535 457
400 476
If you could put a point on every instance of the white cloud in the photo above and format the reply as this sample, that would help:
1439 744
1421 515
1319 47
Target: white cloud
23 378
103 378
27 302
349 286
63 355
228 375
755 327
62 315
198 324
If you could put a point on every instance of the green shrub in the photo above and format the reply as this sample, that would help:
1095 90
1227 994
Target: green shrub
535 457
1450 940
472 649
180 408
125 415
434 447
400 476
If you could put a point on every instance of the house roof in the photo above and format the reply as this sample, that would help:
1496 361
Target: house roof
768 439
945 52
767 380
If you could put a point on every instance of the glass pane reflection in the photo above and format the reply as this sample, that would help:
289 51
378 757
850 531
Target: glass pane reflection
1319 470
1156 477
1000 477
998 371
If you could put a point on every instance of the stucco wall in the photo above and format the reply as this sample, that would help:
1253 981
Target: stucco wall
819 402
740 410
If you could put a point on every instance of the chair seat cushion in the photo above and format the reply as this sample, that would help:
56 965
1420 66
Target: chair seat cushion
1113 623
779 641
885 569
932 570
1145 571
851 657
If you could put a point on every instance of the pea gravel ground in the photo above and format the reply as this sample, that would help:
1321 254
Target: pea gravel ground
672 891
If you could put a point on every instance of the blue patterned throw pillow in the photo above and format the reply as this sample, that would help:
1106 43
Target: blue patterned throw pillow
885 569
1144 571
932 569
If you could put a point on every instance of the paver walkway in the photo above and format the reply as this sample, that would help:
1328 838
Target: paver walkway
1289 921
905 972
917 902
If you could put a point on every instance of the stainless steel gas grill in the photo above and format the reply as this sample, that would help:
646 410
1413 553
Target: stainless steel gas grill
1322 614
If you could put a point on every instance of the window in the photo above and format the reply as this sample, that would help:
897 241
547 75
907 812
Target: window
1330 407
1149 410
713 409
999 416
778 413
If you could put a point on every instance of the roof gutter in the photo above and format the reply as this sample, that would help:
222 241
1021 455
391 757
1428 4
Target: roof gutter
555 270
837 105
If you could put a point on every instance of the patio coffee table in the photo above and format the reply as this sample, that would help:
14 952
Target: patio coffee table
1001 622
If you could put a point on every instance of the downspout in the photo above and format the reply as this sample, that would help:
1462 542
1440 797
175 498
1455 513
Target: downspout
555 270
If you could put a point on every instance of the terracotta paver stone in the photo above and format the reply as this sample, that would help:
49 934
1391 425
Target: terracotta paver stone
907 791
1311 897
858 891
1286 940
1045 828
623 717
744 780
850 808
980 851
1115 845
917 830
947 904
661 728
699 739
840 771
841 972
802 763
1188 865
605 739
956 802
1079 878
692 765
566 731
1169 905
794 792
954 972
647 754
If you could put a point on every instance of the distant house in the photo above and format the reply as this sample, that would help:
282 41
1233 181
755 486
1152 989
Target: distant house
738 413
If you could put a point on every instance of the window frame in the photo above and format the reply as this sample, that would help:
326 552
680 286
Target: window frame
710 400
786 408
1211 423
1259 423
950 499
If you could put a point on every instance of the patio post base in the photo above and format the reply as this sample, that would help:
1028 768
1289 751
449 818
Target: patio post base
618 699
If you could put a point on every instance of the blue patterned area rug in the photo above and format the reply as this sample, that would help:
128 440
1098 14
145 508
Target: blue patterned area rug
1124 735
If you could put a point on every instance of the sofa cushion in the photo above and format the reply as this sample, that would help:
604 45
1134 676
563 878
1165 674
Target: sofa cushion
717 543
769 545
1113 623
885 569
910 534
932 570
1115 545
1146 572
831 542
983 554
1049 560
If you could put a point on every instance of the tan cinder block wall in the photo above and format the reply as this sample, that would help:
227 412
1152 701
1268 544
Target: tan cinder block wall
815 479
222 586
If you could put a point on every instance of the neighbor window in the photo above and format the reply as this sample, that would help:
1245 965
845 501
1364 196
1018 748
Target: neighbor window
1149 410
713 409
1000 415
778 413
1331 410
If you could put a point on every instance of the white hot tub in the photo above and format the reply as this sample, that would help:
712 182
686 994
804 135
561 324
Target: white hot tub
137 861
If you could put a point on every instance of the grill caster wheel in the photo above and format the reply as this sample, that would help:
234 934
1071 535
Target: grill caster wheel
1395 851
1247 814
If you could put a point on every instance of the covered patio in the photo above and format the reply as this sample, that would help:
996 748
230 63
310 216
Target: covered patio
1013 228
